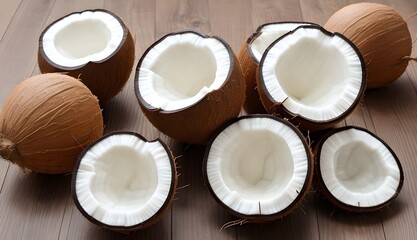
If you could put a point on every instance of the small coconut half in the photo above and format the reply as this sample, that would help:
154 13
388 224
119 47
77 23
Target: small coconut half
189 85
250 55
258 167
124 182
93 45
312 77
356 170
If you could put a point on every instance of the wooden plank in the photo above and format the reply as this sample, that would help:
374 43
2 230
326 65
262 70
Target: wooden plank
231 20
179 15
31 205
7 11
196 215
265 11
393 112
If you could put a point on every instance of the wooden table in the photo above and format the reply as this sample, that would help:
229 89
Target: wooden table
35 206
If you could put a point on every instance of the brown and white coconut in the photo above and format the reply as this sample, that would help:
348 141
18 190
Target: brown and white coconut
258 167
93 45
250 55
189 85
47 121
124 182
356 170
381 35
311 77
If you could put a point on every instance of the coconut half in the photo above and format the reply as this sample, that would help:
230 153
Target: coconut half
94 45
312 77
356 170
250 55
189 85
124 182
258 167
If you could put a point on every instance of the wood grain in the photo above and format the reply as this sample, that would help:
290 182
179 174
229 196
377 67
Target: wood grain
36 206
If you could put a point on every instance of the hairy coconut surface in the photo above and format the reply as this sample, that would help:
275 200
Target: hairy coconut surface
124 182
250 55
47 121
312 77
94 45
189 85
356 170
381 35
258 167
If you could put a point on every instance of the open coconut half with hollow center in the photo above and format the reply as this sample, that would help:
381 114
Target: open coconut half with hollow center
189 85
356 170
312 77
93 45
250 55
123 182
259 167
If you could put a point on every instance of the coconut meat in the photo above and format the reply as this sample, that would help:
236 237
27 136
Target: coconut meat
123 181
79 38
257 166
268 34
358 169
181 69
313 74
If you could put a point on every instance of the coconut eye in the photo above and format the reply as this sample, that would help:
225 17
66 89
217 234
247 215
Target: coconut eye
189 85
259 168
92 45
312 77
123 182
357 170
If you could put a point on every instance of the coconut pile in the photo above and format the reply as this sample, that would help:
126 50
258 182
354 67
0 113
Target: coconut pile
253 110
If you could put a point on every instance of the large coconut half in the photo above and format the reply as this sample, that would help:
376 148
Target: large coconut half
47 121
123 182
93 45
312 77
250 55
382 36
189 85
258 167
356 170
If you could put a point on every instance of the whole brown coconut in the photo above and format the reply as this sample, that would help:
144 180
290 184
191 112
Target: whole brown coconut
381 35
93 45
47 121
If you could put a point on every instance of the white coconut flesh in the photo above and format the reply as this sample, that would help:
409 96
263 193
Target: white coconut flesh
79 38
123 180
358 169
313 74
257 166
181 69
268 34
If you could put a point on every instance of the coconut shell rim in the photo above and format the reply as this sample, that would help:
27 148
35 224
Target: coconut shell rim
258 32
263 218
334 120
151 108
327 193
65 68
150 221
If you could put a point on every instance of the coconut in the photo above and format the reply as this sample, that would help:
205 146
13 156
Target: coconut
124 182
250 55
356 170
189 85
312 77
381 35
258 167
47 121
94 45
